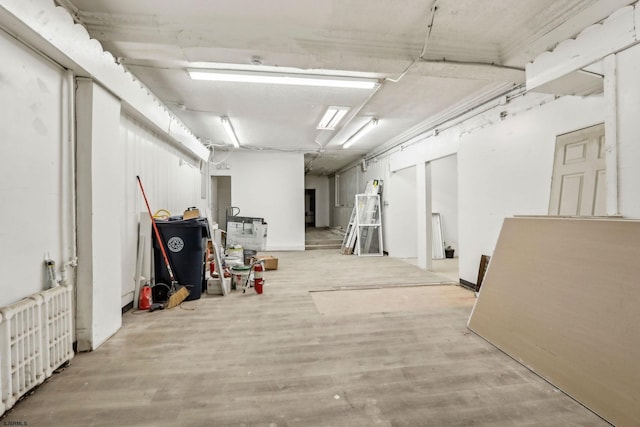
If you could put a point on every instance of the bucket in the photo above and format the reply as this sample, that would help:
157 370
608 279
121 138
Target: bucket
239 276
248 254
233 262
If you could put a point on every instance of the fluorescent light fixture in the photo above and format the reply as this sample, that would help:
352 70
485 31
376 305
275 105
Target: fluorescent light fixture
332 117
239 76
358 134
230 132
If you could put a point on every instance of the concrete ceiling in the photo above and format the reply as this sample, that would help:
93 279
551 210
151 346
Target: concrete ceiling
429 57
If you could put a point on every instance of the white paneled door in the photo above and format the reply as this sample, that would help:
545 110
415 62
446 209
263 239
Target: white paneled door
578 187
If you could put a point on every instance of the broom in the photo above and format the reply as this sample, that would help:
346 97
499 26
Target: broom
177 293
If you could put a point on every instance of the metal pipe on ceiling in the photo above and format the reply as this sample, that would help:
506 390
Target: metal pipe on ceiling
356 111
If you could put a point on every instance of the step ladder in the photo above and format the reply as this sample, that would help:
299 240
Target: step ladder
349 235
365 220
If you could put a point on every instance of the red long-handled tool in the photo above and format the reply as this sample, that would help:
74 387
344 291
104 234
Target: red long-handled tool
178 293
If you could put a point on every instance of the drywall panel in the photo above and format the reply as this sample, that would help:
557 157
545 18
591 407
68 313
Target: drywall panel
34 177
321 185
444 197
505 167
403 227
271 186
171 179
561 296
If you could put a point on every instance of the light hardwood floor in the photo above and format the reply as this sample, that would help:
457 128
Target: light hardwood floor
275 360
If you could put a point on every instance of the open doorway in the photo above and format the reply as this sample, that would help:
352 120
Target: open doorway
310 207
220 199
444 204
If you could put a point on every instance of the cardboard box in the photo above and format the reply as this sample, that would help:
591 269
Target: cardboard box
270 262
191 213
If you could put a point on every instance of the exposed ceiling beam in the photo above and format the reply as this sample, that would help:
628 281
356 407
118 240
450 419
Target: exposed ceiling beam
614 34
469 70
566 26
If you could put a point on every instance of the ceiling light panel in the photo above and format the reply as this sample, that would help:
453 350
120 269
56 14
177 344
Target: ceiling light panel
360 133
228 128
281 79
332 117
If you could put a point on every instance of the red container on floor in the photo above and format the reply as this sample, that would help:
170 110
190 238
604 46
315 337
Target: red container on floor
258 281
144 302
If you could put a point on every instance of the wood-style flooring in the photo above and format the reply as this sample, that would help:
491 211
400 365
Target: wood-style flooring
323 238
274 360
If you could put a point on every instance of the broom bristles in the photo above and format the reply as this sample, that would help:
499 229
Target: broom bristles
177 297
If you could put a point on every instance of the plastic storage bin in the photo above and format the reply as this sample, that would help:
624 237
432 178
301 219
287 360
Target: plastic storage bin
185 244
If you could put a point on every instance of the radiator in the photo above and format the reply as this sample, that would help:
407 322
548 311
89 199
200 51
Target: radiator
36 337
57 316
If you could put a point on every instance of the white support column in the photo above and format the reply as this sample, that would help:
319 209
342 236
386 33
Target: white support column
627 93
423 202
611 133
99 202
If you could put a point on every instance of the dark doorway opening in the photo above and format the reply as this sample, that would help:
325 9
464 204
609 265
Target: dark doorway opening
310 207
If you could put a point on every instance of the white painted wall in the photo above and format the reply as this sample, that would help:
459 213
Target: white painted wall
399 200
353 181
37 188
444 197
332 202
423 215
270 186
34 177
425 148
321 185
52 30
379 169
350 183
628 108
401 213
100 183
505 168
504 165
341 206
171 180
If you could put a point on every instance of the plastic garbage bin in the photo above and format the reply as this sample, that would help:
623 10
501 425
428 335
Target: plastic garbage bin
184 243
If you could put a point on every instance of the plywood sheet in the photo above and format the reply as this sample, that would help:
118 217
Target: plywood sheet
562 296
391 300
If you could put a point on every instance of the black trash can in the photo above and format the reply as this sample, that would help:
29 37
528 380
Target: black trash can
184 242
